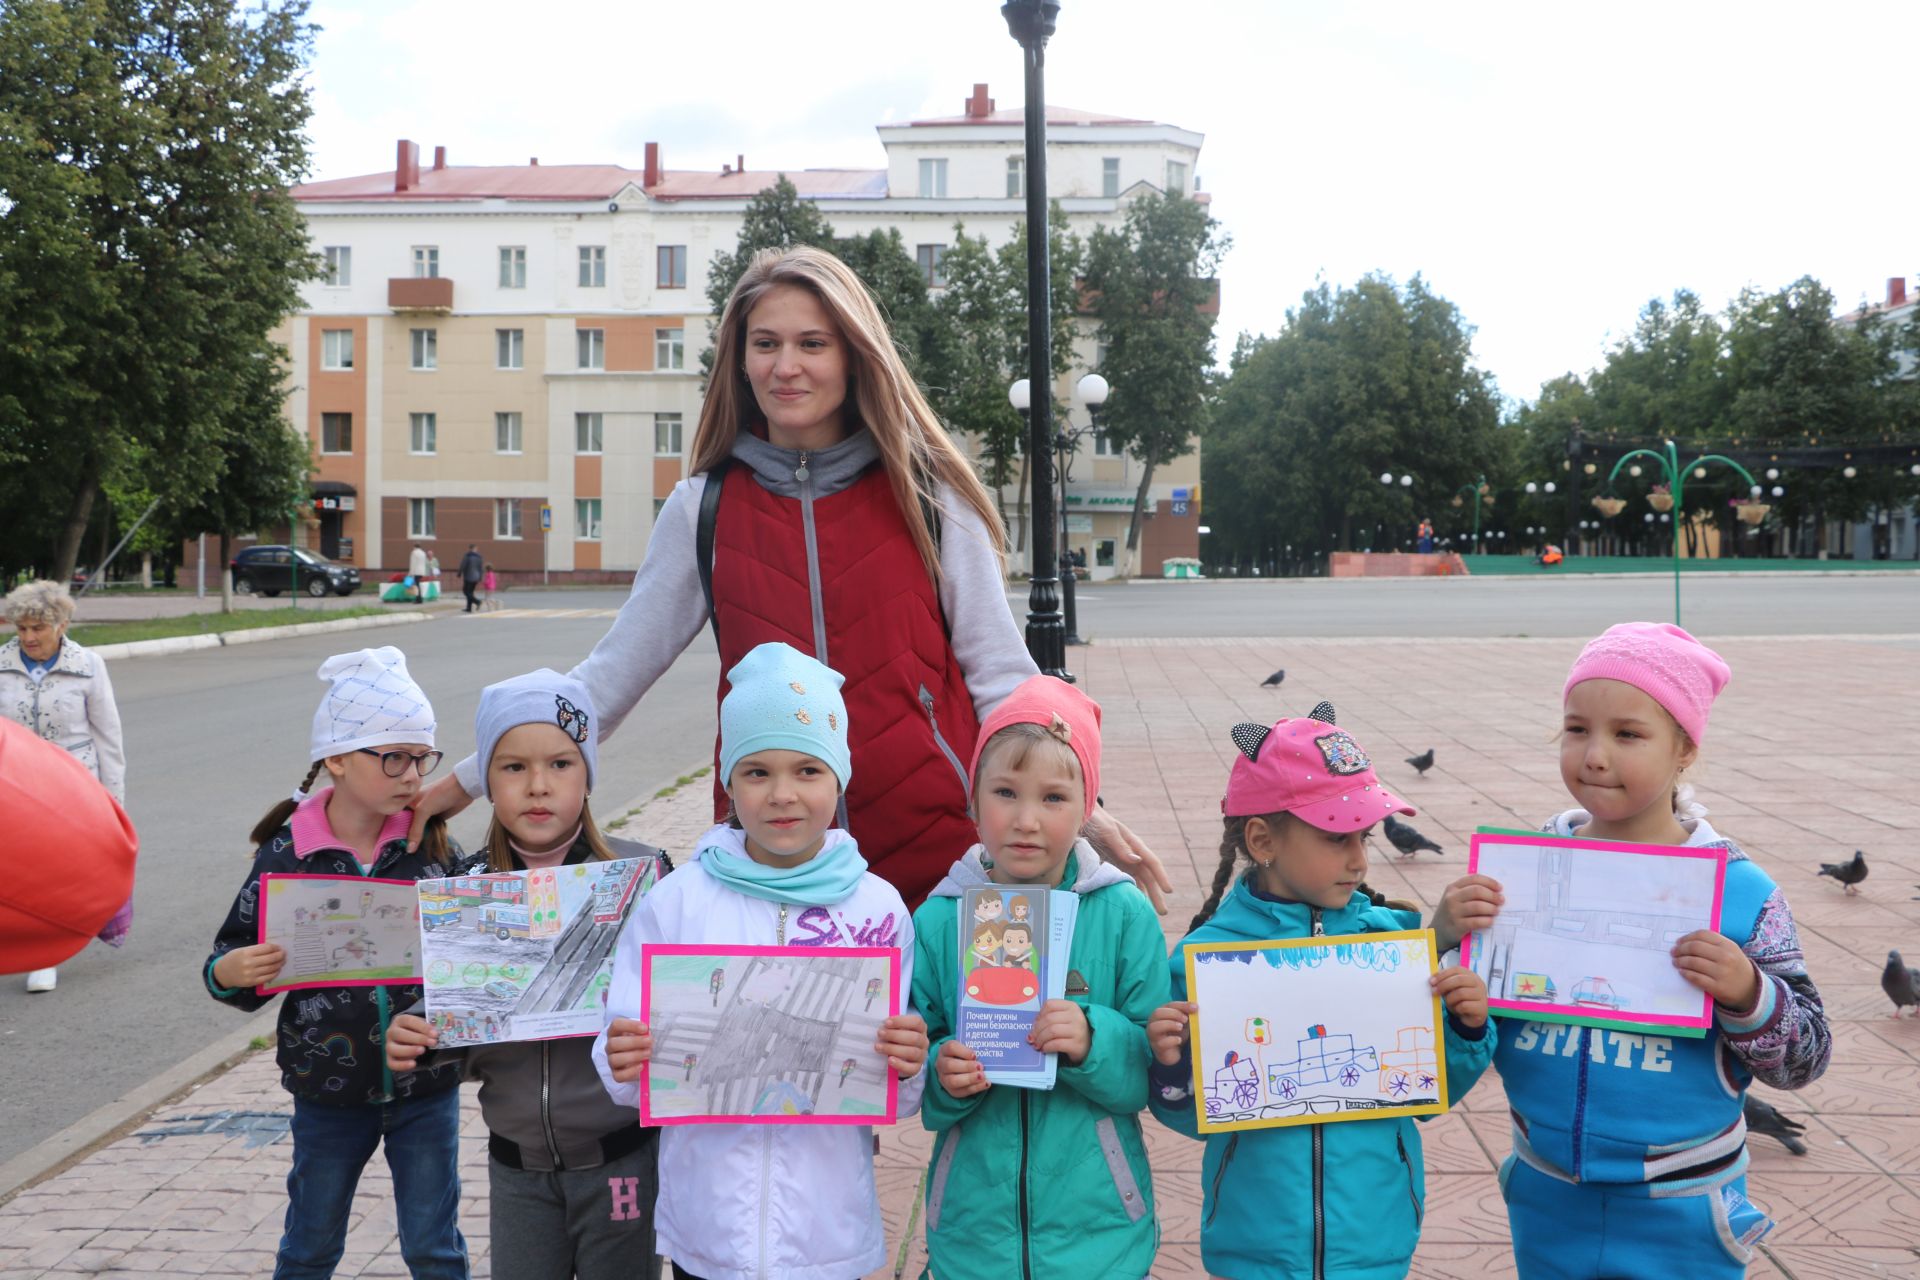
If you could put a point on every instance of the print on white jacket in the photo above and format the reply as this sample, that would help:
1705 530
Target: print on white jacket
70 706
762 1202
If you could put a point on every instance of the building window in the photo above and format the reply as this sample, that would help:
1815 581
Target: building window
587 428
669 348
1104 446
419 517
659 505
426 348
671 266
506 518
933 179
506 433
336 433
513 266
929 256
666 435
1016 177
339 269
509 348
1100 350
1110 177
336 348
1176 178
593 266
586 519
426 261
592 344
423 433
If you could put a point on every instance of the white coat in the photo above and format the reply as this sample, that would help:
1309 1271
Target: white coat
747 1201
71 706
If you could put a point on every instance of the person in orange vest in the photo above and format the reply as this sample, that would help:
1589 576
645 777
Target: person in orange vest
1426 536
1551 556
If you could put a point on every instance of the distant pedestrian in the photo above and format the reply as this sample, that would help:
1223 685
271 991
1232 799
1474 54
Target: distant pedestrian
489 585
472 570
60 690
417 573
1426 536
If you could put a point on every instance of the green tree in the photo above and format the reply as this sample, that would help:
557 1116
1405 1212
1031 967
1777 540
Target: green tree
148 245
1360 381
776 218
1153 288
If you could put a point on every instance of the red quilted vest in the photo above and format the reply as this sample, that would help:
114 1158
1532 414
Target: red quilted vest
910 717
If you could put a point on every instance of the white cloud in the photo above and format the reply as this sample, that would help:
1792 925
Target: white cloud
1549 168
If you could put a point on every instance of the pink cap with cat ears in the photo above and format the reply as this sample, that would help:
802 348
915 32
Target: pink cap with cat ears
1311 769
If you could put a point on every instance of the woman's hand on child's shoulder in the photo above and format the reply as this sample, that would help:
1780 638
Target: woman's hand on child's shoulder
959 1072
1464 994
408 1036
903 1040
1467 906
629 1048
1167 1030
1716 965
1062 1028
249 966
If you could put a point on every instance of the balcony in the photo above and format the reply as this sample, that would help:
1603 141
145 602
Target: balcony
420 294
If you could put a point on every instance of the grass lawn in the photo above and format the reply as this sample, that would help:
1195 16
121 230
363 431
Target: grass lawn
200 624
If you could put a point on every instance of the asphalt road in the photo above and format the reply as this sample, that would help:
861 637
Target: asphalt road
214 738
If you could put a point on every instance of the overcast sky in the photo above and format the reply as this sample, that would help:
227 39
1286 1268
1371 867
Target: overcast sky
1547 167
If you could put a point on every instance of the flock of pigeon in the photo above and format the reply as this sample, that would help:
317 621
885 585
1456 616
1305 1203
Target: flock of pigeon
1900 981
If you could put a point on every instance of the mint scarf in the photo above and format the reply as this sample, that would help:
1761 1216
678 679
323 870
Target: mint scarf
824 880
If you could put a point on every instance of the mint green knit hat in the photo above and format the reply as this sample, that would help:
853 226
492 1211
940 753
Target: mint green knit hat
780 699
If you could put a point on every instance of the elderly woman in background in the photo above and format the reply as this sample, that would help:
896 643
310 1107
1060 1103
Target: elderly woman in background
60 691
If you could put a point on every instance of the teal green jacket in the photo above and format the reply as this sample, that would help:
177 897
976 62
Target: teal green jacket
1029 1183
1336 1201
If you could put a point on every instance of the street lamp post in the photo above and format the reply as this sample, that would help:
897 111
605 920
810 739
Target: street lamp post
1090 391
1474 493
1668 458
1030 22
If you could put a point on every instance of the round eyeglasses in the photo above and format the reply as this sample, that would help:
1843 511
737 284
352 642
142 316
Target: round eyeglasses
396 763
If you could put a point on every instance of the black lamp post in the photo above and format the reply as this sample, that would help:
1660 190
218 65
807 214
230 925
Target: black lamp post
1031 23
1090 391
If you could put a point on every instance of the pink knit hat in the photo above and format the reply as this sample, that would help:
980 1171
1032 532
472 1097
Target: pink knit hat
1663 662
1308 768
1054 704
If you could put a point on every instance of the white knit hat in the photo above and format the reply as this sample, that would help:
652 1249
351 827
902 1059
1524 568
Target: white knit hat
373 702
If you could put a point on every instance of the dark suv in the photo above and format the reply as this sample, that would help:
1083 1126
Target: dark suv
270 570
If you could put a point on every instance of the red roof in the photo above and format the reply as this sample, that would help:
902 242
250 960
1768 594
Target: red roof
1018 116
588 182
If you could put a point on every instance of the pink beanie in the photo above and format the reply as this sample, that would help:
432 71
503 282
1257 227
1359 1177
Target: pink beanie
1053 704
1663 662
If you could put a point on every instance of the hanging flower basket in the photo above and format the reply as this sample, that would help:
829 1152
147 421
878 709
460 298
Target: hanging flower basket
1456 500
1660 501
1609 507
1752 512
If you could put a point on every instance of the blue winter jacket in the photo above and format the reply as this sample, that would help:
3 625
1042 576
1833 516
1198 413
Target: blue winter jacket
1309 1202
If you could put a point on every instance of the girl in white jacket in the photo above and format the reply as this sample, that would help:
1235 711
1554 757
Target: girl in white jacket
741 1201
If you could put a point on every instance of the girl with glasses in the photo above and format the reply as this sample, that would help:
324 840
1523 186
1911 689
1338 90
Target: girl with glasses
373 736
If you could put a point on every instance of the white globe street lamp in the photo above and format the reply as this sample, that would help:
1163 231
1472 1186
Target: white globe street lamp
1020 395
1091 391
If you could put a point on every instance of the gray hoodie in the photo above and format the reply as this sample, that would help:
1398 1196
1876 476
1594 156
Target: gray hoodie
969 873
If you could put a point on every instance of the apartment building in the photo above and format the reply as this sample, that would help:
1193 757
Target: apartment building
509 355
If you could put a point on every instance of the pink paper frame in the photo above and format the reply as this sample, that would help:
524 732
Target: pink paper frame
649 950
260 932
1696 1024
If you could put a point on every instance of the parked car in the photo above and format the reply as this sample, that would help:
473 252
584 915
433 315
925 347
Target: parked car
270 570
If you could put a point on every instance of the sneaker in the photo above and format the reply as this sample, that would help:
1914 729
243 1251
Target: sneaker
42 980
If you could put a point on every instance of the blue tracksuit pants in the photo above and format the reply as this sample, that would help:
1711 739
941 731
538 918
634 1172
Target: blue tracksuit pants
1585 1231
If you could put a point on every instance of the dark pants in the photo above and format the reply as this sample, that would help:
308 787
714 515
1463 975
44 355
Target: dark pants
331 1145
594 1224
468 588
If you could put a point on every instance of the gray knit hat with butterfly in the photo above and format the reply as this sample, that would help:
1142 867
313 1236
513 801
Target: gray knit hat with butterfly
539 697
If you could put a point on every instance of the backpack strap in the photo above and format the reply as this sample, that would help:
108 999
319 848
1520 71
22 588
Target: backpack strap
703 536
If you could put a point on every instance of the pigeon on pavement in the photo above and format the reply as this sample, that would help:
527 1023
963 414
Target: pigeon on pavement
1848 874
1273 681
1405 838
1762 1117
1901 984
1422 762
